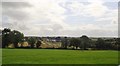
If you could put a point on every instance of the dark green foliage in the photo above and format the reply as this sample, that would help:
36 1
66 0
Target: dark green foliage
75 42
31 41
108 44
18 37
117 44
38 44
85 42
65 42
6 37
100 43
9 37
92 44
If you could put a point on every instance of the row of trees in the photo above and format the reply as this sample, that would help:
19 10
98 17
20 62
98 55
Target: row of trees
14 37
82 42
85 43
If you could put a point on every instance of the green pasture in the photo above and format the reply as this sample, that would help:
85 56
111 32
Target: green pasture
58 56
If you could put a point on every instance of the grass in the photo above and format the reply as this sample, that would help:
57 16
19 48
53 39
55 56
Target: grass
0 56
54 56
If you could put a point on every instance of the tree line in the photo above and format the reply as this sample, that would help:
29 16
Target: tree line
14 37
84 42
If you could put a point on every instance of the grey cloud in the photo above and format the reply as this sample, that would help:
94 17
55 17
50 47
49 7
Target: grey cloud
15 10
57 27
15 14
15 4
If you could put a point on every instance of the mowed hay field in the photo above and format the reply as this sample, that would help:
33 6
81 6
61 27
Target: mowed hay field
57 56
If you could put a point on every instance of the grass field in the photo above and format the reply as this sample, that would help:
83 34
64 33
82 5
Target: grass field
54 56
0 56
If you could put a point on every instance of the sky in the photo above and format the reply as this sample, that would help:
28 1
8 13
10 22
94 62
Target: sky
74 18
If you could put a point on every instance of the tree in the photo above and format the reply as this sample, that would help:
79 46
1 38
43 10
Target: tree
5 37
9 37
18 37
38 44
64 42
117 44
109 44
75 42
100 44
92 44
31 41
85 42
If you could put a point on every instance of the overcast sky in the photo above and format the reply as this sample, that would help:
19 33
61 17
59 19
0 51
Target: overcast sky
94 18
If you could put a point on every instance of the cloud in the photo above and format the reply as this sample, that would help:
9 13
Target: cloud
1 15
14 15
17 5
104 19
15 10
52 17
95 8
